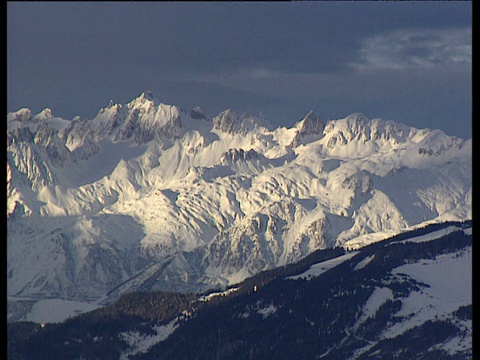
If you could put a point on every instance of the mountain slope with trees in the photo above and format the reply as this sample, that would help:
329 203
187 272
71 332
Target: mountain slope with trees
409 296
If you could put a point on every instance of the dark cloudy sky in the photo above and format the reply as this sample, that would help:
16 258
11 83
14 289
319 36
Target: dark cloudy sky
403 61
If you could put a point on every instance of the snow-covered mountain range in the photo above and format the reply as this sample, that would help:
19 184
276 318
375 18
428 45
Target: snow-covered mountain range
146 196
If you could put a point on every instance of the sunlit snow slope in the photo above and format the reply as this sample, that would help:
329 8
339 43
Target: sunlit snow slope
148 196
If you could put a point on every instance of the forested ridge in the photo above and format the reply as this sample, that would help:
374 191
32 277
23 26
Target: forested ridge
269 315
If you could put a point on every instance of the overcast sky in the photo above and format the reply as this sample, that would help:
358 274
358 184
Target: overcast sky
403 61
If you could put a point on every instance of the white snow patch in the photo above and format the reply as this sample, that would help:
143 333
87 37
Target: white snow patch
139 343
318 269
377 299
364 262
267 311
379 296
244 315
212 295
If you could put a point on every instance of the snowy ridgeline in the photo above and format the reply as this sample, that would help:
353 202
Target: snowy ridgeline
146 196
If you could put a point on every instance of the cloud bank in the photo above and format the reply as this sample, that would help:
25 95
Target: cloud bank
414 48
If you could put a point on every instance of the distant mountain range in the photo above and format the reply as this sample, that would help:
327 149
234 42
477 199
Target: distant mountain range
407 297
146 196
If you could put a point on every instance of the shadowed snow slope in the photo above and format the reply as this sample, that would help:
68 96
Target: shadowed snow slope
147 196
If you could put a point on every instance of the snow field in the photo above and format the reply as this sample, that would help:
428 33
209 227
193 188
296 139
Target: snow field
139 343
445 294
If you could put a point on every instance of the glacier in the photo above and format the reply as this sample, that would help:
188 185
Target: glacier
147 196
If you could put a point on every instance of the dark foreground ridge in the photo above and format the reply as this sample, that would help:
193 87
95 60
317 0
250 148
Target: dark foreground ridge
274 316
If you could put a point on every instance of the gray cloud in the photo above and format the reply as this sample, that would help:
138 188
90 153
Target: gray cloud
411 48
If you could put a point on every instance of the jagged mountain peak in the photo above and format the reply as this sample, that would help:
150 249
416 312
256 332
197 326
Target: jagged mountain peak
357 128
354 123
112 104
143 119
146 96
229 122
146 101
358 122
111 108
357 117
26 115
20 115
311 113
151 109
310 125
44 114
